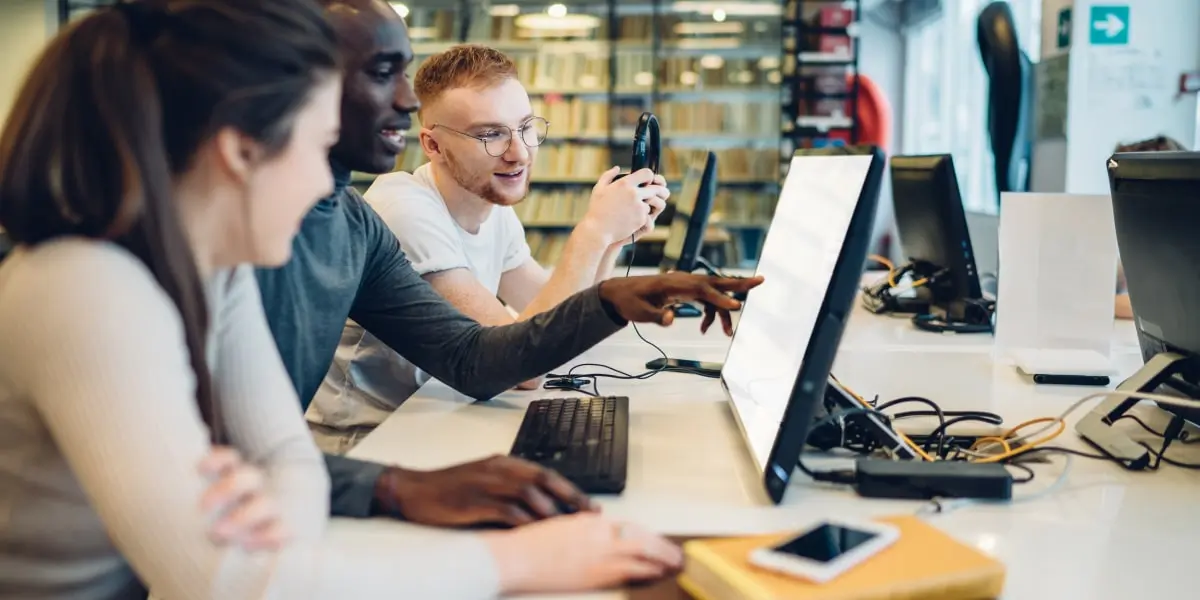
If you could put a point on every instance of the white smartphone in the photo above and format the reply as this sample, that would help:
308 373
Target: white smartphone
827 549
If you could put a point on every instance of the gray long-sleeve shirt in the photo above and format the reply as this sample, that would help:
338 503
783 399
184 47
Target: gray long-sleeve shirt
346 263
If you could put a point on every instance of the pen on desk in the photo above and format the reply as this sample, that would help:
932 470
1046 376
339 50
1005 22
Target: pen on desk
1096 380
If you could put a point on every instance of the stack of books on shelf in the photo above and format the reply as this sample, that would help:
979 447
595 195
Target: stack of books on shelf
734 165
573 117
558 71
546 247
553 207
748 118
570 162
687 73
743 208
635 70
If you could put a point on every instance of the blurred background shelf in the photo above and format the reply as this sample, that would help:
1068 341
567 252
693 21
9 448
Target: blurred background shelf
710 72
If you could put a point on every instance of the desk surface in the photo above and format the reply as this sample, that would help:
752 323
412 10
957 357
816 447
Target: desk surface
1105 533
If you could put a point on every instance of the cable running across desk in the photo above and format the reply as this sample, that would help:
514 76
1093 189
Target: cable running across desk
577 382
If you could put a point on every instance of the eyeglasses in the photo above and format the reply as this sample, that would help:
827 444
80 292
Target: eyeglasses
497 140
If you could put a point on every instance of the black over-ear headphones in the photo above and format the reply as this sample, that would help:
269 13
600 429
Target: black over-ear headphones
647 145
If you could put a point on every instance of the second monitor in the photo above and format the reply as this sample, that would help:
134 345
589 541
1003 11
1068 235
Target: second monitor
937 244
685 237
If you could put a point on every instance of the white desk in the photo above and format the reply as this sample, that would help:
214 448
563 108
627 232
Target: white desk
1106 533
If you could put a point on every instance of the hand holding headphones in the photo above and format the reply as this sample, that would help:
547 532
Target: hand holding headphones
620 210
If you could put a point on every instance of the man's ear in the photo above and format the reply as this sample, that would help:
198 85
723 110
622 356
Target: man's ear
429 144
237 153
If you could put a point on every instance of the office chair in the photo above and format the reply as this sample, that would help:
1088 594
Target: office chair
1010 97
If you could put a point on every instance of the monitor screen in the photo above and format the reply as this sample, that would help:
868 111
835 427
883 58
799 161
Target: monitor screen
799 255
685 203
932 223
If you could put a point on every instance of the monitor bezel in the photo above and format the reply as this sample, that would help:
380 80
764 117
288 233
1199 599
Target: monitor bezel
697 222
808 389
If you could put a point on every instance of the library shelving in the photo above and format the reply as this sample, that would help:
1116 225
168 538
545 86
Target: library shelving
820 74
710 71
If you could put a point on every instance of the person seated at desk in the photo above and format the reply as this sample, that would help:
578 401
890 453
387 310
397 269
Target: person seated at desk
140 189
455 221
345 263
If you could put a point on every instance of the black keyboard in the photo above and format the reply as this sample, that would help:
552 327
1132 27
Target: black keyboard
584 439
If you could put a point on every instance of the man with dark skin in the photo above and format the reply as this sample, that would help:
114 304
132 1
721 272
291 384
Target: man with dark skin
347 263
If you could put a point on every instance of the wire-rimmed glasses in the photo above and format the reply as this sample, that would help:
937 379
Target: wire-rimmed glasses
497 139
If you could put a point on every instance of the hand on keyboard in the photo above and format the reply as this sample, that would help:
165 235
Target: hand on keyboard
648 299
579 553
500 490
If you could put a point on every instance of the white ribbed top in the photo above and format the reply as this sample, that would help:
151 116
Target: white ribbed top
100 442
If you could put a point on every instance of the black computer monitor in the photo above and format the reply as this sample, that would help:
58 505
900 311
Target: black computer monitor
1156 206
812 259
691 211
933 233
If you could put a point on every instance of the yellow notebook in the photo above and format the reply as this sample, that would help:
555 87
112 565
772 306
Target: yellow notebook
924 563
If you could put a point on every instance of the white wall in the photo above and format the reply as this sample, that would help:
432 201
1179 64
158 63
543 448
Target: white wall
1121 94
23 26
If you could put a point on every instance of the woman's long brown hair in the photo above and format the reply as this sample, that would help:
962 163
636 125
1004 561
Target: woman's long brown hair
119 103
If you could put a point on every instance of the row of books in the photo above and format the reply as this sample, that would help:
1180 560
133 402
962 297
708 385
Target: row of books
733 164
546 246
564 207
572 71
700 72
741 118
554 206
743 207
574 116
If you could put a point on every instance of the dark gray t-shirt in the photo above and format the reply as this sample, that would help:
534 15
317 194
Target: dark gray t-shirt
346 263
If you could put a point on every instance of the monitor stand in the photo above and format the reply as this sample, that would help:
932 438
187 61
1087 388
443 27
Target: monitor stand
838 398
1096 427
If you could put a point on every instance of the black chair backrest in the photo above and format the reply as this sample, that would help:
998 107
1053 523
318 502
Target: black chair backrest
1010 97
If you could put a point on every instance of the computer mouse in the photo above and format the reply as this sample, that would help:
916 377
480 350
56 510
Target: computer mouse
686 311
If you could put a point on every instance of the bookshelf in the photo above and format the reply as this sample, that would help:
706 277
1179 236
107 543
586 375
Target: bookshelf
820 74
710 71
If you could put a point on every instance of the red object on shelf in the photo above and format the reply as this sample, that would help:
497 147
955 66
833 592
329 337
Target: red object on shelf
836 16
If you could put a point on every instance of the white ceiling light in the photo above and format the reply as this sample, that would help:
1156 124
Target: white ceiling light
706 28
711 62
745 77
743 9
401 9
504 10
719 15
688 78
545 22
422 33
722 43
644 78
557 10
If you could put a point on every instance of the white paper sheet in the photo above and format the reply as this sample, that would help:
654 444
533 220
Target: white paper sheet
1058 263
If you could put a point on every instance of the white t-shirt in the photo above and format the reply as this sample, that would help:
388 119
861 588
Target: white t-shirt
368 380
